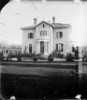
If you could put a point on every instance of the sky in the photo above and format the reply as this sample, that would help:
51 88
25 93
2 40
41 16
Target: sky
15 15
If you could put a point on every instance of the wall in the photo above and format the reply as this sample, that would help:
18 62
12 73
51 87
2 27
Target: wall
49 38
65 40
26 41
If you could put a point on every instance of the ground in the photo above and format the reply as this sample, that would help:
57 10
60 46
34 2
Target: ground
42 79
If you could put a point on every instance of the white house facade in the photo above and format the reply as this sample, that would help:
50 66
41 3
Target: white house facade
45 37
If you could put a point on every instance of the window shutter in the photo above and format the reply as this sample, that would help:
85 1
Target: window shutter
28 35
57 34
60 34
56 47
32 35
62 47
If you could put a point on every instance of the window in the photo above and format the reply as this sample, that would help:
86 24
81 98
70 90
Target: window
43 25
30 48
43 33
6 51
30 35
56 47
59 47
59 34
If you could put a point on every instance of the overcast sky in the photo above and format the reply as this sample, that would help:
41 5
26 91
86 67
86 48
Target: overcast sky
18 14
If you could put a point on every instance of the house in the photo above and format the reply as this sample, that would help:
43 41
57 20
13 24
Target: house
8 48
45 37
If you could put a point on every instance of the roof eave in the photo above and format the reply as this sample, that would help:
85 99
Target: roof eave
28 28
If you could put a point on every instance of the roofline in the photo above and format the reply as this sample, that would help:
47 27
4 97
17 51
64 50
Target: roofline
44 22
63 27
27 28
52 25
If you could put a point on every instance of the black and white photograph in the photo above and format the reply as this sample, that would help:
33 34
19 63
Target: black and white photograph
43 49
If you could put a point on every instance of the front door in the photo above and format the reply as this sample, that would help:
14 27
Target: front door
42 47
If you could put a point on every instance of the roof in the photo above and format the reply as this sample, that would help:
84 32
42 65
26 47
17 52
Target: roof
59 25
54 25
27 27
44 22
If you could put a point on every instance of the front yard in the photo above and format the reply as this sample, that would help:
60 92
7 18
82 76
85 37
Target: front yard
39 81
42 79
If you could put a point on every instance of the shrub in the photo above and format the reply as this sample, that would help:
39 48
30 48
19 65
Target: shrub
34 59
50 57
19 55
69 57
1 56
84 57
57 54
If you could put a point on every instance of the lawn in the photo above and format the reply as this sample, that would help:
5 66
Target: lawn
39 68
39 79
42 79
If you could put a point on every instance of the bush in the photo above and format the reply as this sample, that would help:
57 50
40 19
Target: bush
34 59
50 57
69 57
60 55
84 57
57 54
19 55
1 56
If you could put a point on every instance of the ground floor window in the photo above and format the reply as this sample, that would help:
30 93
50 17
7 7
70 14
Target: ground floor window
59 47
7 51
30 48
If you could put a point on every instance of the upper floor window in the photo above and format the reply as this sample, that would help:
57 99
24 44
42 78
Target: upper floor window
43 33
59 34
30 35
43 25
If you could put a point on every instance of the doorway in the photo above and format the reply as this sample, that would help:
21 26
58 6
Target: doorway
42 47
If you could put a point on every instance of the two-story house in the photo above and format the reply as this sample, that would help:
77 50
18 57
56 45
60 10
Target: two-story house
45 37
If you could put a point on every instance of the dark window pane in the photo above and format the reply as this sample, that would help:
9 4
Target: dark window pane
61 47
30 35
43 25
61 34
30 48
56 47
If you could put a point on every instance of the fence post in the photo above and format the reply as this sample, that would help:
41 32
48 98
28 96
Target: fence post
80 75
80 67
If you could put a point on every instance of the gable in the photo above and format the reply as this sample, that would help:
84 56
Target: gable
44 23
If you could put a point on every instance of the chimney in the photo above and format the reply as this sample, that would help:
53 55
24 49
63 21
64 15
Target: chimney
53 19
35 21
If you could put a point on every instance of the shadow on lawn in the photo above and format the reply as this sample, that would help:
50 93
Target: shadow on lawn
39 87
50 85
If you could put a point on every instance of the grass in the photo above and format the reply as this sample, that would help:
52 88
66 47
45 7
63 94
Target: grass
42 68
28 80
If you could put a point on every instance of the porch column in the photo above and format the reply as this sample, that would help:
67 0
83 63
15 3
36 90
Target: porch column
38 47
45 45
